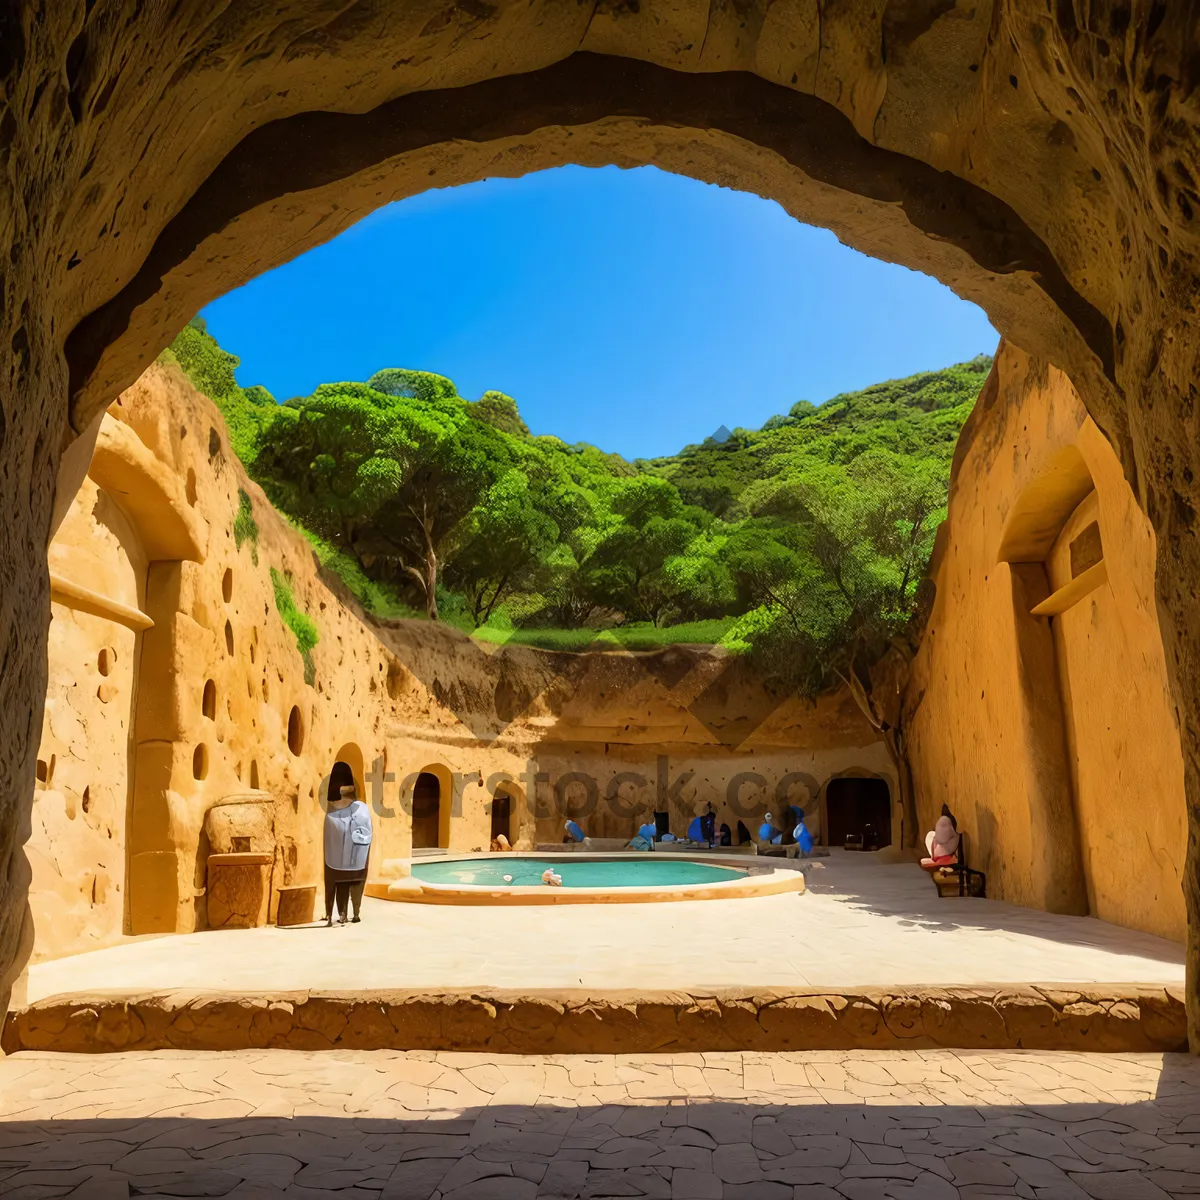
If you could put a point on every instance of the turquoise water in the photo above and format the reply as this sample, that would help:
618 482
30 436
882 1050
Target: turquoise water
651 871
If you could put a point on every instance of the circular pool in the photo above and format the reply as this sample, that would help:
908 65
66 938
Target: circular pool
593 879
649 871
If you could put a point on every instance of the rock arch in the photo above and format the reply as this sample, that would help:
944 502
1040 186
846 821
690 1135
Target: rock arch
1050 157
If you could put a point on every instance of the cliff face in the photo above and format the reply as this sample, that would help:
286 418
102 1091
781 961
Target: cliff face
181 712
1053 738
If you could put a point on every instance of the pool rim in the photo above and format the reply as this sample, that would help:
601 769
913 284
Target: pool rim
764 882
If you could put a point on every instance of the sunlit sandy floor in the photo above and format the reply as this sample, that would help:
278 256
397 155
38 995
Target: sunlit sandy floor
862 923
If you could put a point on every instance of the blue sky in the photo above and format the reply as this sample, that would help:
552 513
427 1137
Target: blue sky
635 310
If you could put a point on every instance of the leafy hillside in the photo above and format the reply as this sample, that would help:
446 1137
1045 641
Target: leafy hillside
918 417
802 543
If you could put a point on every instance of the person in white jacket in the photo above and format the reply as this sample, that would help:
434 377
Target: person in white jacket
348 836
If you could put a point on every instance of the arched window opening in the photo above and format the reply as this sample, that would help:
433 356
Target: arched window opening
295 731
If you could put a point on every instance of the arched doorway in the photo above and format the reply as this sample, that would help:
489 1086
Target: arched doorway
859 807
430 811
506 813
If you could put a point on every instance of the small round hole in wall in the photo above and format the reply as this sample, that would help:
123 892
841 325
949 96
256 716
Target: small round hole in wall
229 639
254 774
295 731
200 762
105 660
208 706
227 584
191 486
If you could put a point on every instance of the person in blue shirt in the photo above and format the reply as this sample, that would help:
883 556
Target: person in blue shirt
643 839
574 833
768 833
804 839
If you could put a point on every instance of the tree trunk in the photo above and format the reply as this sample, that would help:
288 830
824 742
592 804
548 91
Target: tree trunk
431 569
891 733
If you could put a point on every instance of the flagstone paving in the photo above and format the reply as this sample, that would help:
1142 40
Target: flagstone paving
390 1125
862 923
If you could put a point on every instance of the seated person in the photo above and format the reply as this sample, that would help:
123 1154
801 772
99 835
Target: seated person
708 826
768 833
800 833
500 843
941 842
726 837
695 831
573 832
643 839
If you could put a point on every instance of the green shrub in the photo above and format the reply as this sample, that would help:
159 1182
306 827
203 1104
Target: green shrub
303 627
245 527
211 371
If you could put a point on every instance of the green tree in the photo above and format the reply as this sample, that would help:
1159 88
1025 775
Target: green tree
501 412
335 458
412 385
505 546
449 464
629 564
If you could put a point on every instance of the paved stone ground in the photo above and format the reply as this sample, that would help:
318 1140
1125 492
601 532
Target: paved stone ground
862 924
855 1125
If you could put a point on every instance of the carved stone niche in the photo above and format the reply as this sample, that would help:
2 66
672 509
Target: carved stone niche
240 831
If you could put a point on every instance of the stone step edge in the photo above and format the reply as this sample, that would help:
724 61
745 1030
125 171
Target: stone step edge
1121 1018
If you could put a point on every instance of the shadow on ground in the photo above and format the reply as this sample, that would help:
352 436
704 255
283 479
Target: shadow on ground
674 1150
910 899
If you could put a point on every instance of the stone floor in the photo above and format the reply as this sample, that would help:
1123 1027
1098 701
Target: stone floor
851 1125
861 924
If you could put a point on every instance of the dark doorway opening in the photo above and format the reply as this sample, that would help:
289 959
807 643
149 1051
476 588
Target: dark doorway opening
502 815
427 812
859 808
341 776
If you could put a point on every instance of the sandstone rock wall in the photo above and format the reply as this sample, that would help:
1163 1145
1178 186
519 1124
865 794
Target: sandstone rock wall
1054 739
153 734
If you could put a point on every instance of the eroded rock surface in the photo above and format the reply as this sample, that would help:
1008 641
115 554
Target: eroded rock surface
1067 136
1111 1019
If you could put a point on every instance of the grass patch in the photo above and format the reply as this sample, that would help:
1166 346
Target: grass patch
303 627
245 527
636 636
